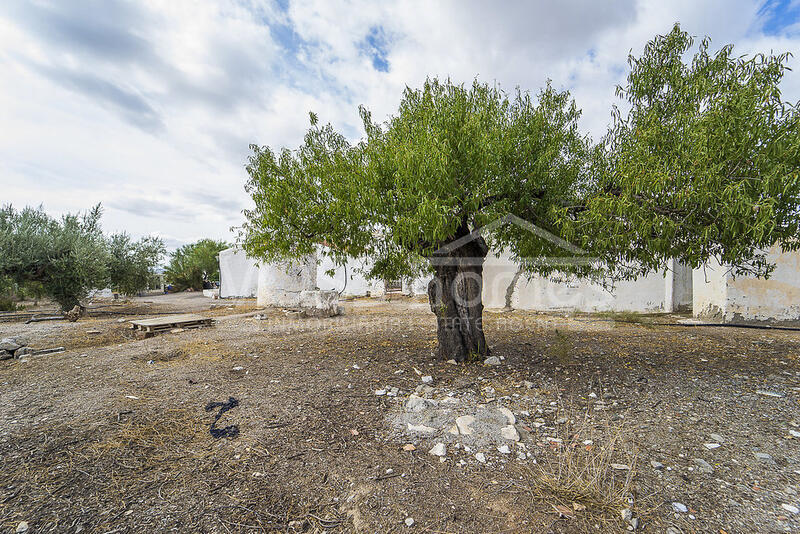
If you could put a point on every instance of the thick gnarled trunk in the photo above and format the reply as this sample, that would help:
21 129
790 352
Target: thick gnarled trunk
455 296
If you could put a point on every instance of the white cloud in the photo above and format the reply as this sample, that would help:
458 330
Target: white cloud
149 107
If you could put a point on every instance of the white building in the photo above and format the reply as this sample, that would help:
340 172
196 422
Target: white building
238 274
711 293
720 296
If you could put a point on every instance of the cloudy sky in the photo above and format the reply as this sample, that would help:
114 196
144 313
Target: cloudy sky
149 106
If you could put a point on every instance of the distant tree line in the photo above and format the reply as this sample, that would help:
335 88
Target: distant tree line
65 258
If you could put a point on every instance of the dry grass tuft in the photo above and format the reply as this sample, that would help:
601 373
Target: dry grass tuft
578 476
628 317
84 335
207 349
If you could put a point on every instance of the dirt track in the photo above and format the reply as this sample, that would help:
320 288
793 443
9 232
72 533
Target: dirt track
113 435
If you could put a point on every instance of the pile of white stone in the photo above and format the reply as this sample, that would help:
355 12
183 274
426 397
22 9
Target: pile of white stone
13 348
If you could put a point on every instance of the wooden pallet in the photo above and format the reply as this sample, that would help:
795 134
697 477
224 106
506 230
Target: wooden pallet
150 327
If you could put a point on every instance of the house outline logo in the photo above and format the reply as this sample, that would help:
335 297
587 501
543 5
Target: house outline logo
579 257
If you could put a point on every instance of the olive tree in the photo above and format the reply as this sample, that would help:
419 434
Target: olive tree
65 258
130 262
703 163
193 264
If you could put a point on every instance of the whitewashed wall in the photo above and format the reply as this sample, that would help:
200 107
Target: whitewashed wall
348 279
718 295
280 283
238 274
652 293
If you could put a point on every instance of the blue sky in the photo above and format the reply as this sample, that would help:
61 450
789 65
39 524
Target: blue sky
149 106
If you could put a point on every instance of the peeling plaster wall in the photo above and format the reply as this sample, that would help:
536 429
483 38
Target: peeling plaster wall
348 279
681 277
710 291
503 286
646 294
280 283
747 298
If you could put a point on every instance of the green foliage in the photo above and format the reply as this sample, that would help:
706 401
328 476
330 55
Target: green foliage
130 263
7 294
66 256
62 258
703 164
706 162
193 264
451 160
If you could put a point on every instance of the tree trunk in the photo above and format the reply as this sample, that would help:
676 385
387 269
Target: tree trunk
455 296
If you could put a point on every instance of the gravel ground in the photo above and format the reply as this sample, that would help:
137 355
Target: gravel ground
113 434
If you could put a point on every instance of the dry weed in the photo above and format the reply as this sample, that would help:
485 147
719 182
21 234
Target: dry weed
582 476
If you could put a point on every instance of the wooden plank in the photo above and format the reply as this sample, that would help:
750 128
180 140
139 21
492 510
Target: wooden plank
170 321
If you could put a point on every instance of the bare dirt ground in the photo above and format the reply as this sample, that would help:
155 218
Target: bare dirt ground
613 418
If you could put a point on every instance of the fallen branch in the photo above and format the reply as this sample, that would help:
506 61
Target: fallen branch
47 351
46 318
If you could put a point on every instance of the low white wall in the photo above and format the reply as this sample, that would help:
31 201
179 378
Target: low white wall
646 294
280 283
718 295
652 293
348 279
238 274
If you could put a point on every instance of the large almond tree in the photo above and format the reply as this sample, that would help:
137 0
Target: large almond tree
704 163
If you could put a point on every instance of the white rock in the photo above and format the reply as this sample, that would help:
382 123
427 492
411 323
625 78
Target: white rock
762 456
710 446
679 507
769 393
626 514
427 379
422 429
10 344
790 508
452 362
22 527
480 457
794 433
503 449
621 467
416 403
508 414
717 438
509 432
438 450
703 466
491 360
656 465
380 392
409 521
463 424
